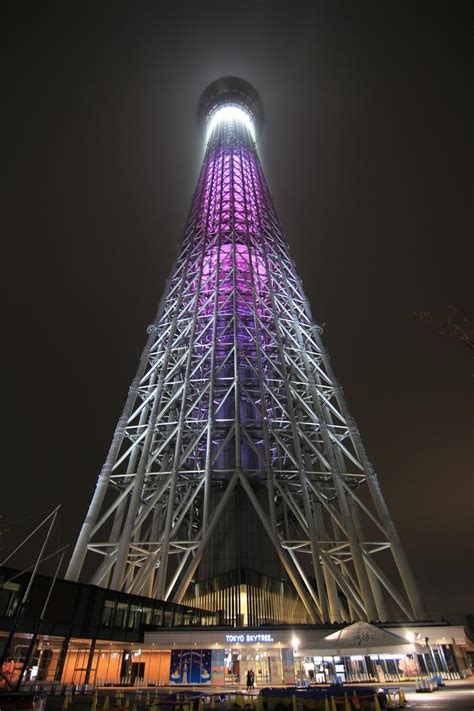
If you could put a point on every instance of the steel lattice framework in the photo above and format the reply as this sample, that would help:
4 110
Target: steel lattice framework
235 389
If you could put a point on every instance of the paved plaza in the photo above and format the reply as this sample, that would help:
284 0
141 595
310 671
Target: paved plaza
456 696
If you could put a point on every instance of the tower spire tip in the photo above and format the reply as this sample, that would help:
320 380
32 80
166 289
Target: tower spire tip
230 90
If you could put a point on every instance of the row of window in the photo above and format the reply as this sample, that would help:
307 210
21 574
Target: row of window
131 616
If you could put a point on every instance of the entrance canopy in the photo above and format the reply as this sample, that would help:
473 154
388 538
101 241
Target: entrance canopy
364 638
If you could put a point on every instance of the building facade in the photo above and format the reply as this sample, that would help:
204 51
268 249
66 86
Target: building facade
92 636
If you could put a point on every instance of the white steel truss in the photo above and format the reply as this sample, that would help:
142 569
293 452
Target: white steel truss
235 389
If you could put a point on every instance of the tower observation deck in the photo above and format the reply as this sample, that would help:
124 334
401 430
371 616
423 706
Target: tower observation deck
236 478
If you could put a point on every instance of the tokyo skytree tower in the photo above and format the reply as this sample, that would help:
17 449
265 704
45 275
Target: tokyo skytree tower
237 479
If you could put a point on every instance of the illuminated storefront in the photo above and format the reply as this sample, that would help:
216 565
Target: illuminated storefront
362 652
231 656
297 655
219 659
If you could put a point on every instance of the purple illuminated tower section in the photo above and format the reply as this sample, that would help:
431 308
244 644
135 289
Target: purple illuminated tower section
237 480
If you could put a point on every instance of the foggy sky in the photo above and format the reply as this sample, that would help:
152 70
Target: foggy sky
367 149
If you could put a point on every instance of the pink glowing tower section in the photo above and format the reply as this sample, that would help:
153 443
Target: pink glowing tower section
230 199
248 269
230 260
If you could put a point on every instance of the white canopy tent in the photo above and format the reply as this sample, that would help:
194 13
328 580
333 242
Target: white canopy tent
364 638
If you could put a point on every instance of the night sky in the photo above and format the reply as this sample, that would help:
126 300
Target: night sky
367 149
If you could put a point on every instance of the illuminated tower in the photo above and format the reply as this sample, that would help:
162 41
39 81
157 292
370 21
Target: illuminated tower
236 479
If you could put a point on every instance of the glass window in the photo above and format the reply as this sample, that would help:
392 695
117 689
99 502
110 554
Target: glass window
121 614
134 617
158 617
168 618
9 596
108 613
147 614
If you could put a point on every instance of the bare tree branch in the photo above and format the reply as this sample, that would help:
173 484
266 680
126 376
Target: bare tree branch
456 325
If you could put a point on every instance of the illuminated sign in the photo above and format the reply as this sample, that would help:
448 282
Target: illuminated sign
248 638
